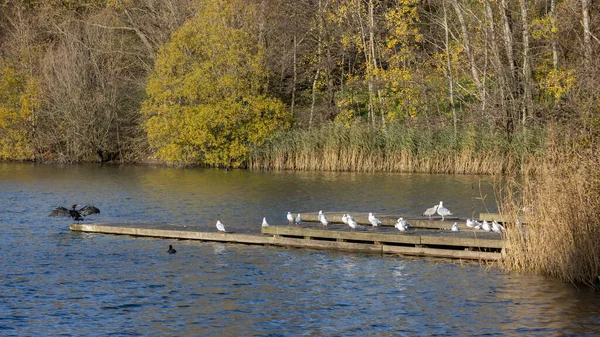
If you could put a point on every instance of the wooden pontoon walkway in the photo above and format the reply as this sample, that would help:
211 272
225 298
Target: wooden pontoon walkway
420 242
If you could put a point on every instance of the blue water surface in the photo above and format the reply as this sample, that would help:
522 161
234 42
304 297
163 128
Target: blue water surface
55 282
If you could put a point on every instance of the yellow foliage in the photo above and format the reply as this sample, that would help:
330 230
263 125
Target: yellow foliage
544 27
206 100
19 99
557 83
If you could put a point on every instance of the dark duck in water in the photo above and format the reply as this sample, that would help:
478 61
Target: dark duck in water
77 215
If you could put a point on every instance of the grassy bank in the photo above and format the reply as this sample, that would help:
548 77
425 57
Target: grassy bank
560 201
396 148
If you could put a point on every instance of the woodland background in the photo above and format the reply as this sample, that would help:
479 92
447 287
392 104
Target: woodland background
249 83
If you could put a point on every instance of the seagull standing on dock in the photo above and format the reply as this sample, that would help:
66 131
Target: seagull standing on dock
324 221
373 220
486 226
265 223
443 211
401 225
345 218
472 223
290 218
298 220
496 227
220 227
455 227
321 214
430 211
404 223
352 223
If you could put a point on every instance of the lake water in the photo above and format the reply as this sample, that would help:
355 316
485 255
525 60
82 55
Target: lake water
56 282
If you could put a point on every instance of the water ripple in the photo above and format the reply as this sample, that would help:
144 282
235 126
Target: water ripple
55 282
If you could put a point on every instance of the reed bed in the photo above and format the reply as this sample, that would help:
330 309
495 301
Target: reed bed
395 148
560 202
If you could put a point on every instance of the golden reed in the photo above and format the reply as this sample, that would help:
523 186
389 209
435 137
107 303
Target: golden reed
559 202
362 148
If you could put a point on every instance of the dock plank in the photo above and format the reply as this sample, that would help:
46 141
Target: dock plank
341 235
149 230
445 253
407 243
462 241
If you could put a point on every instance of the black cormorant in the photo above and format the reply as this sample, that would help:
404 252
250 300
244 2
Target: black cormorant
74 213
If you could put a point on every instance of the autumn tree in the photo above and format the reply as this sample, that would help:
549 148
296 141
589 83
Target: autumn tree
19 100
208 99
19 87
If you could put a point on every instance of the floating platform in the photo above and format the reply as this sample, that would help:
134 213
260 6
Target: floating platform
435 243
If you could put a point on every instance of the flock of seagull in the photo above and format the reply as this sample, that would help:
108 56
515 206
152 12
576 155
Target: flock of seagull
401 224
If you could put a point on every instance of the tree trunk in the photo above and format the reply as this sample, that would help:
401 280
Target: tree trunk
554 48
587 35
496 60
450 77
295 73
511 110
467 44
508 40
319 52
526 108
374 57
371 115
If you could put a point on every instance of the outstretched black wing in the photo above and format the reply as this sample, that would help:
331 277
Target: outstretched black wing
88 209
60 211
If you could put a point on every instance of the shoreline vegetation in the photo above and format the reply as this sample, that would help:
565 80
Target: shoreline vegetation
403 86
560 200
361 147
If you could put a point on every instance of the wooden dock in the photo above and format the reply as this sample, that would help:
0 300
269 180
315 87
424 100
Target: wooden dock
435 243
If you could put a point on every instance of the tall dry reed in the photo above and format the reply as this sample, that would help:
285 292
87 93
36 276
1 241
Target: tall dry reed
562 235
395 148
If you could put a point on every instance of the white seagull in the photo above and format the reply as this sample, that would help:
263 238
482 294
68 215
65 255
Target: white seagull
324 220
373 220
298 220
352 223
320 215
265 223
472 223
430 211
455 227
290 218
443 211
401 225
220 227
496 227
345 218
486 226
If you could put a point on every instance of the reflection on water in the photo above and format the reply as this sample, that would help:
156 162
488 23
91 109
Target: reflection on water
238 198
56 282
